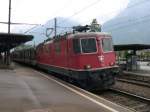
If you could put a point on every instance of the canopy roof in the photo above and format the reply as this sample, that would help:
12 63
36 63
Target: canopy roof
9 41
131 47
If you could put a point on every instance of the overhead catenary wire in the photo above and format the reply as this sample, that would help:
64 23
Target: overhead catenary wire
132 6
81 10
130 20
31 28
19 23
64 27
62 8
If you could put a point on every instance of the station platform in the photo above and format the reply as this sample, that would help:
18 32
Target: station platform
5 66
26 90
143 71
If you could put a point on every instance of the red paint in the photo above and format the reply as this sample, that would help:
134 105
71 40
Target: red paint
46 53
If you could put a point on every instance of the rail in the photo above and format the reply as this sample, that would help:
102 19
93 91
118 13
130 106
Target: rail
128 100
131 81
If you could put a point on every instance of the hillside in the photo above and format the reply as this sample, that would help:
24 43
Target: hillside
131 26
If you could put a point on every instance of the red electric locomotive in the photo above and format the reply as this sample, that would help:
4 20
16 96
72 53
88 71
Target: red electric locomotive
87 58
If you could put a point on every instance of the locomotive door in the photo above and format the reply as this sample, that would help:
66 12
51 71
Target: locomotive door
99 48
69 54
65 53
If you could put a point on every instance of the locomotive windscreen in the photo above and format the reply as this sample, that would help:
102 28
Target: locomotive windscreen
88 45
107 44
84 45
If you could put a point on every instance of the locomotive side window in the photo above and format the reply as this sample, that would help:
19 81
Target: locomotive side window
76 46
88 45
107 44
57 47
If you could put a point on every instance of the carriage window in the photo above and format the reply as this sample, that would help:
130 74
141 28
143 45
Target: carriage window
107 44
76 46
88 45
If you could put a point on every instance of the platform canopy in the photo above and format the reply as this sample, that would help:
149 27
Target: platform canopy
131 47
9 41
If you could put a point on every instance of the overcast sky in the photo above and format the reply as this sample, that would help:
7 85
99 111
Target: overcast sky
40 11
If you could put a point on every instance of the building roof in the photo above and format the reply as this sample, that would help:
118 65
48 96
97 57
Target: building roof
9 41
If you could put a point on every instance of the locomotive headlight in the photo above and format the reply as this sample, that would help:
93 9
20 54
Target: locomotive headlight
87 66
101 58
112 63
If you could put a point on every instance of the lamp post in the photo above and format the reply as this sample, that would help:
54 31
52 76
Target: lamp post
9 16
7 53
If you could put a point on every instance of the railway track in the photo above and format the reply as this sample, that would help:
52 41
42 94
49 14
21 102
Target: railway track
131 81
135 77
128 100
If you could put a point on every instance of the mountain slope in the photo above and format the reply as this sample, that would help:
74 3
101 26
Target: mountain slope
132 25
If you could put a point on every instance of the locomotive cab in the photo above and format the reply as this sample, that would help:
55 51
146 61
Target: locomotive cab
98 48
93 56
